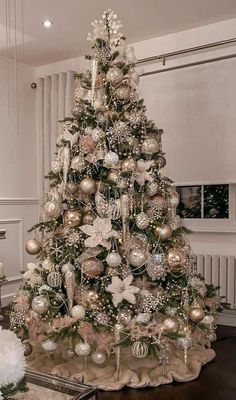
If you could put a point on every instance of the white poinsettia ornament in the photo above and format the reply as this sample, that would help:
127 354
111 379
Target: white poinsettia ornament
141 174
122 290
32 275
100 233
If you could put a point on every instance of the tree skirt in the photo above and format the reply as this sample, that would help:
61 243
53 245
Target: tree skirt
135 373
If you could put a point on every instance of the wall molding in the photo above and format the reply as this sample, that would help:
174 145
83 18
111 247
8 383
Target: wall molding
9 201
227 317
18 221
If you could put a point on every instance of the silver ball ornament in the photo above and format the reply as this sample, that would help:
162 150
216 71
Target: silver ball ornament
40 304
113 259
49 345
77 111
111 159
83 349
137 257
32 247
114 75
78 312
88 186
142 221
125 316
69 354
143 318
52 209
99 357
47 264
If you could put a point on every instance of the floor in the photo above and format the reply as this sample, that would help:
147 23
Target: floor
216 382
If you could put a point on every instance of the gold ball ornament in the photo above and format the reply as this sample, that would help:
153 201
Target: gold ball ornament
32 247
113 176
142 221
125 316
40 304
137 257
114 75
152 188
122 92
78 163
163 232
175 259
170 325
89 218
92 267
88 185
128 164
53 209
150 146
72 218
92 299
196 314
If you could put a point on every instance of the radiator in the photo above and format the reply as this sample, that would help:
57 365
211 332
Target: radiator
220 271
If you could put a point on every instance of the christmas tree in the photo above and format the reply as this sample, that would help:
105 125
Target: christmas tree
113 291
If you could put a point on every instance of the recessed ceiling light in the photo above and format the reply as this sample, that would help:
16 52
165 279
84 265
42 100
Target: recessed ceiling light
47 23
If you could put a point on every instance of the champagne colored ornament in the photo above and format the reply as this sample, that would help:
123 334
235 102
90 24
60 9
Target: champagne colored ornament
150 146
69 354
114 75
170 325
122 92
113 176
72 218
160 161
72 187
77 111
32 247
78 312
70 284
125 316
54 279
92 267
152 188
159 201
174 198
78 163
89 218
175 259
99 357
163 232
142 221
28 348
67 267
88 186
40 304
196 314
139 349
53 209
113 259
83 349
92 299
49 345
137 257
128 165
110 159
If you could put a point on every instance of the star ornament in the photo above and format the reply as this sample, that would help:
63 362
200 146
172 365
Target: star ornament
122 290
100 233
141 174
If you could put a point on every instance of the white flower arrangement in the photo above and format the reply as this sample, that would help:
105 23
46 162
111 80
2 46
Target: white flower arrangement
12 362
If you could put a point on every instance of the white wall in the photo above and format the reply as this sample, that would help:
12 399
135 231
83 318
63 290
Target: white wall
18 169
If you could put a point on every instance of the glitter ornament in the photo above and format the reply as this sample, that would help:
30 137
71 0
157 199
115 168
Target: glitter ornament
78 312
170 325
152 188
113 176
92 267
32 247
54 279
72 187
163 232
139 349
40 304
83 349
160 161
113 259
128 164
78 163
114 75
49 345
88 186
196 314
99 357
155 266
52 209
143 318
72 218
159 201
175 259
28 348
142 221
92 298
150 146
111 159
77 111
69 354
89 218
122 92
97 134
137 257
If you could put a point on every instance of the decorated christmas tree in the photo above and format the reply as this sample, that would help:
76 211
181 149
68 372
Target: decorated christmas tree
113 293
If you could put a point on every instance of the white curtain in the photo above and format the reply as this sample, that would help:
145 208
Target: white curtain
55 95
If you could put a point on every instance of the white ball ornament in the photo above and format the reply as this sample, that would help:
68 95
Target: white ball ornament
88 186
113 259
78 312
40 304
111 159
52 209
32 247
83 349
114 75
137 257
49 345
99 357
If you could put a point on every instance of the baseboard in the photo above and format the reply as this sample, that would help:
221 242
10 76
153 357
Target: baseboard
227 317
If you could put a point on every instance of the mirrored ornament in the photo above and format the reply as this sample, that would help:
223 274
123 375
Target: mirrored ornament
122 92
78 163
175 259
83 349
77 111
143 318
78 312
32 247
152 188
142 221
28 348
114 75
72 218
72 188
54 279
92 267
196 314
125 316
40 304
128 165
47 264
110 159
137 257
113 259
67 267
49 345
160 161
170 325
89 218
163 232
99 357
150 146
139 349
52 209
88 185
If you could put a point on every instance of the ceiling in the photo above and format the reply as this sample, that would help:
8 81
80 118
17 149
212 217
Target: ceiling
72 18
